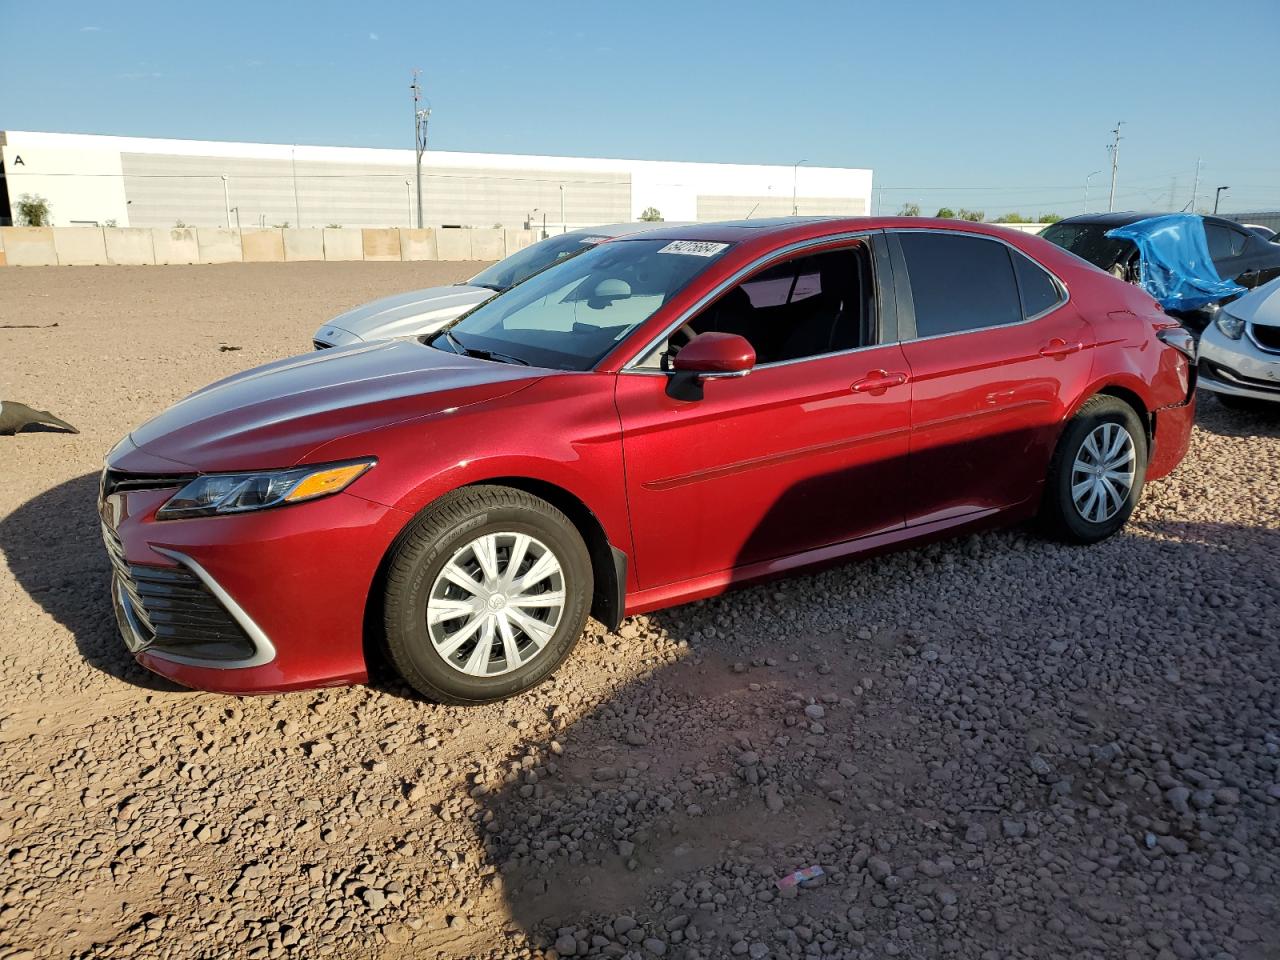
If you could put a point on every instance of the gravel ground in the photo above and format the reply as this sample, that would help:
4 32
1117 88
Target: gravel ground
993 747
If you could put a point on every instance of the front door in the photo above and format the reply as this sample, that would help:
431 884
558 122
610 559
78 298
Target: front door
806 451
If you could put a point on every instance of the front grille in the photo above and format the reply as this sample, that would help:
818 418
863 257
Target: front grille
173 611
118 481
321 345
1268 338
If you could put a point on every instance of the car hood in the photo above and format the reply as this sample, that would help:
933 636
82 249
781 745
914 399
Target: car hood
274 415
408 314
1260 307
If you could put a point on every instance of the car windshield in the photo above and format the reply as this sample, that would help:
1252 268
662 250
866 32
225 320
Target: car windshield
569 316
1089 242
505 274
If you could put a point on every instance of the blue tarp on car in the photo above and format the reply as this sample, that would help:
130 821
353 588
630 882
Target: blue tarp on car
1175 266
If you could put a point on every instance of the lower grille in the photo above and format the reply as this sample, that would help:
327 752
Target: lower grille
1268 338
169 609
1222 374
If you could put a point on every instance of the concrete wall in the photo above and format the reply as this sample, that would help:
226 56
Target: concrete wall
175 245
262 246
130 246
305 244
139 246
29 246
80 246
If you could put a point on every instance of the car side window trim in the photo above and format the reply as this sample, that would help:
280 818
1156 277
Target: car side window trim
1010 249
789 252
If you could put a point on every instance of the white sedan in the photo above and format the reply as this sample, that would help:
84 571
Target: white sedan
424 311
1240 349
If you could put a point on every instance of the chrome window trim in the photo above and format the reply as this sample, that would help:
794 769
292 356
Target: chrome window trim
631 366
264 650
1062 287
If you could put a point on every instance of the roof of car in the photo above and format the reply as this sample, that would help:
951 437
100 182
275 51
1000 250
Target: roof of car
621 229
1121 218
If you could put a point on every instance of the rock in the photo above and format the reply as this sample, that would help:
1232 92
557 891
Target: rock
656 947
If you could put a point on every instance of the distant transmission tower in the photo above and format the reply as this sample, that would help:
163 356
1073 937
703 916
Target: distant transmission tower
421 115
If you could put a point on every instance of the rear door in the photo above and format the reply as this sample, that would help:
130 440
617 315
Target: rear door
997 356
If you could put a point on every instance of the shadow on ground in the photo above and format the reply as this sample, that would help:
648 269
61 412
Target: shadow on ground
53 544
972 739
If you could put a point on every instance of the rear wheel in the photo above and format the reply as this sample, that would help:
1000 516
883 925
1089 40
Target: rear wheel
1095 477
487 592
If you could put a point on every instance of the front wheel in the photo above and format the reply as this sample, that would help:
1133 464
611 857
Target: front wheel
1096 474
487 592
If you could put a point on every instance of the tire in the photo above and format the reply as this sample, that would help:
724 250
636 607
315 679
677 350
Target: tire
461 531
1094 518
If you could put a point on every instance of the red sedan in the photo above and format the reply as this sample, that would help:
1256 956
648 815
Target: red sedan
651 422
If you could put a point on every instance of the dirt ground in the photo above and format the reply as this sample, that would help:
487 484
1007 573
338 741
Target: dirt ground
994 747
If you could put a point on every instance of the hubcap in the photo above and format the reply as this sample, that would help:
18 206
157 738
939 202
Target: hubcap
1103 472
496 604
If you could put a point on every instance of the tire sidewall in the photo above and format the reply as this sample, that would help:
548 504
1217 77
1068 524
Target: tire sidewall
410 640
1092 416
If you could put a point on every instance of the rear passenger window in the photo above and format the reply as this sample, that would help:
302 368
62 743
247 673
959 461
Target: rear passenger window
1039 292
959 283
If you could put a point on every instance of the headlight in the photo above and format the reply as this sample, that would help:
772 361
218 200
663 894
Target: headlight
215 493
1232 327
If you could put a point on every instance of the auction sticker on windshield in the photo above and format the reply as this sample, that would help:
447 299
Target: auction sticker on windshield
694 248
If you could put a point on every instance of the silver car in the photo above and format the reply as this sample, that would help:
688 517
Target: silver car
423 311
1240 349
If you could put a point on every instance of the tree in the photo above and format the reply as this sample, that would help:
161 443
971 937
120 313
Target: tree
1048 218
651 215
909 210
1011 218
945 213
33 211
974 216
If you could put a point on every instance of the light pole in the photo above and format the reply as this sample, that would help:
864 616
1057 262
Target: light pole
563 226
226 199
421 116
408 197
236 210
1086 189
795 173
1217 195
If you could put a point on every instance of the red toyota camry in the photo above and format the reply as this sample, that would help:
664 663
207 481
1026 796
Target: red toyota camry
650 422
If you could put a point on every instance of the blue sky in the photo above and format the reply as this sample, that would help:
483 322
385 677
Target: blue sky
993 106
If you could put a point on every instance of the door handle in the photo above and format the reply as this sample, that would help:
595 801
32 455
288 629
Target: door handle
879 380
1058 348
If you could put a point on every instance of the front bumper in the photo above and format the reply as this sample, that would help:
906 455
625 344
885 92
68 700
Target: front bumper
265 602
1238 367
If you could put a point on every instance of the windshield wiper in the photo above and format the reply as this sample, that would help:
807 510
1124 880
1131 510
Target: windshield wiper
462 350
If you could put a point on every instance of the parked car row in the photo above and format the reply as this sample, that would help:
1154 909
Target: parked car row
646 421
1206 264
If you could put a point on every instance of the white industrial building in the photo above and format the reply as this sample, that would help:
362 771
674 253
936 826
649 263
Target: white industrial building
133 181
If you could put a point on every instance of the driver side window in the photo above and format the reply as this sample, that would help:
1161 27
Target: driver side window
807 306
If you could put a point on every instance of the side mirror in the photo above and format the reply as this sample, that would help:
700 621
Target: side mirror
712 356
709 356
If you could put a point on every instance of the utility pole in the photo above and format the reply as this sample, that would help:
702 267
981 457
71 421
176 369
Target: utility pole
1217 195
1115 163
226 199
564 227
421 115
1195 189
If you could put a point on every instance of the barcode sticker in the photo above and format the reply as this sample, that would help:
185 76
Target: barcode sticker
694 248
